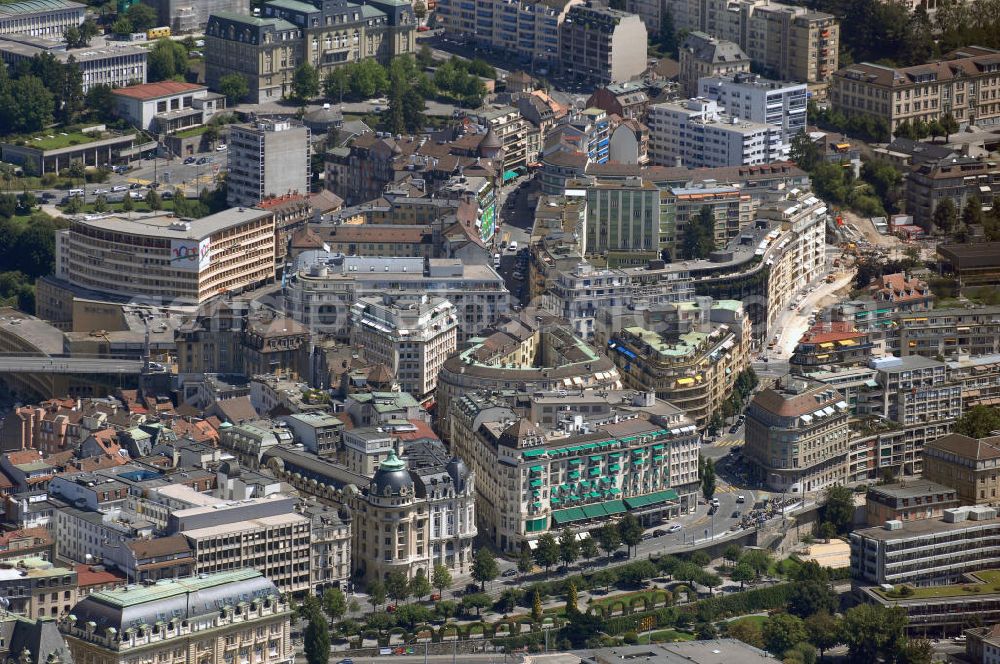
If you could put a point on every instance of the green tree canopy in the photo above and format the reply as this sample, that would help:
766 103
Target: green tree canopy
978 421
441 578
484 566
838 507
708 480
234 87
167 60
142 17
305 82
397 586
945 215
316 637
420 587
630 530
871 630
547 551
699 234
783 631
569 547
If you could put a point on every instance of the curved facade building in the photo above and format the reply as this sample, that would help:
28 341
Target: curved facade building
521 356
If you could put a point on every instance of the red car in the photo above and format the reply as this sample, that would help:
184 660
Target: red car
422 28
391 608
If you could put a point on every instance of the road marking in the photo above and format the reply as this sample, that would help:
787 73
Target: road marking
735 442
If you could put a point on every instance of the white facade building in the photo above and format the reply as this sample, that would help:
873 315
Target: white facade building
270 158
747 96
49 18
412 336
697 134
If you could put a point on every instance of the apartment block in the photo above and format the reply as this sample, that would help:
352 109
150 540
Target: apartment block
549 461
192 15
797 436
928 552
731 207
623 216
914 389
912 500
789 42
696 133
705 56
267 159
412 336
115 64
528 29
510 128
965 84
602 45
690 359
748 96
970 466
958 179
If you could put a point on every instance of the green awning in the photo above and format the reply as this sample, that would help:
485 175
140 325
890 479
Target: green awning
614 455
585 484
657 457
565 487
536 525
531 454
614 506
554 500
606 480
637 462
658 446
574 462
615 490
637 502
573 474
592 511
537 469
509 175
537 504
638 451
595 471
596 457
568 515
614 467
535 482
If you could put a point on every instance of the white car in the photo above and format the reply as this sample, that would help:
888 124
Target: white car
674 528
221 147
98 192
120 187
741 499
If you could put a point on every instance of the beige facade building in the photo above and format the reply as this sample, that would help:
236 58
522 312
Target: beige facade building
554 460
38 589
705 56
167 258
965 85
797 436
412 336
602 45
691 358
278 546
233 616
417 512
970 466
267 49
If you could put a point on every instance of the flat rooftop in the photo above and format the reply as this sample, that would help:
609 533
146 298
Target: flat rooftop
170 227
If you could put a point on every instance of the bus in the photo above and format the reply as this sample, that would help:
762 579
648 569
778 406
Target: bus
157 33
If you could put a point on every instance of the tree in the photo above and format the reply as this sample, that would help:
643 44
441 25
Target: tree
75 205
699 234
128 205
8 208
588 548
88 30
838 507
949 125
122 26
376 593
381 621
732 553
871 630
397 586
781 632
525 560
154 201
811 597
804 152
29 105
547 551
441 578
569 547
334 603
915 651
368 78
609 538
305 82
72 36
630 530
142 17
477 601
944 215
708 480
317 640
419 9
99 101
823 630
234 87
27 200
420 587
758 559
336 81
668 33
484 567
572 600
743 573
101 204
536 607
747 631
167 59
978 421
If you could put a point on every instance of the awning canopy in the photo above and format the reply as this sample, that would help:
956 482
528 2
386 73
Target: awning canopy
637 502
509 175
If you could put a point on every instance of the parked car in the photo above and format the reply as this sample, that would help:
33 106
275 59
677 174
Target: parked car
221 147
120 187
674 528
713 509
659 532
509 572
735 514
190 160
714 502
98 192
203 161
741 498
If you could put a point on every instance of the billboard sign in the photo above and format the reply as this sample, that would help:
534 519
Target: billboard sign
190 255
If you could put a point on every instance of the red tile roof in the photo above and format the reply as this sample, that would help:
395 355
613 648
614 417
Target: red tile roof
88 576
147 91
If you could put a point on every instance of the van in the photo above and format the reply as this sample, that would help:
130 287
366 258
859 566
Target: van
496 260
76 192
513 245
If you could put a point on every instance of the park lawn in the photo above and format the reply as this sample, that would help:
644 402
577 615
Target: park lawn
627 598
140 206
667 636
760 620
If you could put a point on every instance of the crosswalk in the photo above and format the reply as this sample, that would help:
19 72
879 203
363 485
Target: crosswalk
729 442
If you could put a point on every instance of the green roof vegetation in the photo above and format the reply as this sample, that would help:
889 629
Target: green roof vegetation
193 131
56 139
985 583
